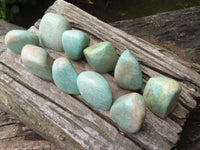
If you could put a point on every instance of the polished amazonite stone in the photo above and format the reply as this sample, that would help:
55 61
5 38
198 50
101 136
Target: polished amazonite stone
51 29
95 89
102 57
128 112
160 95
65 76
38 61
15 40
74 42
128 74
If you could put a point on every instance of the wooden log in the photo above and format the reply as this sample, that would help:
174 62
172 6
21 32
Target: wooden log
153 124
178 31
154 60
15 135
148 54
55 95
67 121
57 122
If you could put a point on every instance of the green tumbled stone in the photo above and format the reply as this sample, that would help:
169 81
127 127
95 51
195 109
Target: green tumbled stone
160 95
38 61
15 40
102 57
95 89
65 76
128 74
51 29
128 112
74 41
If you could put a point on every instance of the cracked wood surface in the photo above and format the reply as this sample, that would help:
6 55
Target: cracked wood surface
13 134
39 103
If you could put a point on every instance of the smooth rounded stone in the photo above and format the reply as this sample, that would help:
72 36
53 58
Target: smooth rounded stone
74 42
128 112
160 95
38 61
15 40
51 29
102 57
65 76
128 74
95 89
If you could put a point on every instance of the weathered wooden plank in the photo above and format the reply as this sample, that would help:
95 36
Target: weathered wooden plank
116 90
83 66
18 143
149 131
147 53
5 27
177 31
156 124
22 138
8 131
60 119
119 38
6 119
155 133
14 135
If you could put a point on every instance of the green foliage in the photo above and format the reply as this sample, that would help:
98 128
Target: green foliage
8 8
3 9
90 2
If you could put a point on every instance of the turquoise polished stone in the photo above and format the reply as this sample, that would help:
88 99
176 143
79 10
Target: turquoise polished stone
51 29
95 89
15 40
128 112
74 42
38 61
102 57
127 72
160 95
65 76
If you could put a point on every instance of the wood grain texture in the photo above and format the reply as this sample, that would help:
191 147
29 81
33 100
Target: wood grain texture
147 53
68 121
178 31
15 135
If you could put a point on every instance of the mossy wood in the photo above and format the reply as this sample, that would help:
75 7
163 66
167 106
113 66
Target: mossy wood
68 121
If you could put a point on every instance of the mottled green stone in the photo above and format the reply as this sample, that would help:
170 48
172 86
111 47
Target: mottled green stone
160 95
128 112
74 42
95 89
65 76
128 74
38 61
102 57
51 29
15 40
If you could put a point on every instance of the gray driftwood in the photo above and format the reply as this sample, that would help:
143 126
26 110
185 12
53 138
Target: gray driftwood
13 134
72 124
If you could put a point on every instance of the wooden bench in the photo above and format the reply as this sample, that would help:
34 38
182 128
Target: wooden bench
67 120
